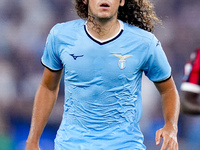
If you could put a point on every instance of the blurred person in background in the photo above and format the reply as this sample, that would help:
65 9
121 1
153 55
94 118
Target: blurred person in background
190 87
190 105
103 103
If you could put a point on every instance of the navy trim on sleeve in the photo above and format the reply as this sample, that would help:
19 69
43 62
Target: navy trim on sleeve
163 80
51 68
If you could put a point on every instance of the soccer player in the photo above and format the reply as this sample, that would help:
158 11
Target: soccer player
103 56
190 87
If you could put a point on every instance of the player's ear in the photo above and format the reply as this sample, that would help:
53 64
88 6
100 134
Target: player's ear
122 2
85 2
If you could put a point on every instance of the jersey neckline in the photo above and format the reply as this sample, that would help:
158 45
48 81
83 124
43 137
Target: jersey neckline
101 42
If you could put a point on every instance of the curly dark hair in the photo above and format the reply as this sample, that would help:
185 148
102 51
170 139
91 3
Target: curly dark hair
135 12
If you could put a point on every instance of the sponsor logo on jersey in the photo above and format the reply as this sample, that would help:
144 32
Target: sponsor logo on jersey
122 60
158 43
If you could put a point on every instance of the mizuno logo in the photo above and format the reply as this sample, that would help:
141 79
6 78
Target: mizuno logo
122 61
75 57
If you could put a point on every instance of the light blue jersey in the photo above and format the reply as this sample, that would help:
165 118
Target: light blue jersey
103 104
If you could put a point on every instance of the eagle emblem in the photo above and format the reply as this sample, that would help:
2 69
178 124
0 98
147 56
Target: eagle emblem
122 60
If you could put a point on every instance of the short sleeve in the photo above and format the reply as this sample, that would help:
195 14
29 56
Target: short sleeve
51 57
157 67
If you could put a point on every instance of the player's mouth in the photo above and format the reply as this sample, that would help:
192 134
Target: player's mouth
104 5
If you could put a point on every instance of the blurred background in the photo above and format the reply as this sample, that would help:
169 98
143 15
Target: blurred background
24 26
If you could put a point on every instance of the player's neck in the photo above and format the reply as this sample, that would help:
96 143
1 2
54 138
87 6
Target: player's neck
103 29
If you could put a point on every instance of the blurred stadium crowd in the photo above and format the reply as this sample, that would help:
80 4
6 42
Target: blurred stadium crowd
24 26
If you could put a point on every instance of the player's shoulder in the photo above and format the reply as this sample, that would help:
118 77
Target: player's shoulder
140 33
69 26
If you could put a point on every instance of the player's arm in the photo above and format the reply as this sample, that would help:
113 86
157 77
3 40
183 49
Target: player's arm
45 99
190 103
171 107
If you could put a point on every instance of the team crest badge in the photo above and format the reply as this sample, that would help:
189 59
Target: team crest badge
122 60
